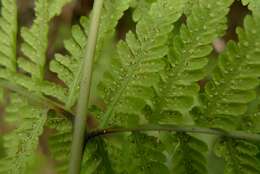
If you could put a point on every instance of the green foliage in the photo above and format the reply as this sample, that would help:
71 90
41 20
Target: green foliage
8 32
235 78
144 154
36 38
149 76
189 156
187 59
140 7
59 142
96 159
69 67
126 88
24 118
35 46
21 143
239 155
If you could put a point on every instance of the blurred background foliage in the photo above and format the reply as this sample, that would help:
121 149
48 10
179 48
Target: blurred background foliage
60 28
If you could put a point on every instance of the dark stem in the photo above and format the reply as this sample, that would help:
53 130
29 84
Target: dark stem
175 128
44 101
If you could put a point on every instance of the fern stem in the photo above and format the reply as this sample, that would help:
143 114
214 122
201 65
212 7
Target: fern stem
83 101
36 99
176 128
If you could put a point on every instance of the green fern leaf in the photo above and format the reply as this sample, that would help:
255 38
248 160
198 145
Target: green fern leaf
96 158
252 5
21 143
55 7
250 122
235 78
151 76
240 156
68 68
34 48
143 152
60 141
140 7
8 34
36 38
188 58
126 88
189 156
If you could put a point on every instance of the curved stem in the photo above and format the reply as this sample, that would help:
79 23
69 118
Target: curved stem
83 101
176 128
34 98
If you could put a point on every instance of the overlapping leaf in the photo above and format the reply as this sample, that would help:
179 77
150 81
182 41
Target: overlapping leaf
145 154
235 78
69 67
188 58
240 156
34 49
60 141
8 34
189 156
126 88
96 158
21 143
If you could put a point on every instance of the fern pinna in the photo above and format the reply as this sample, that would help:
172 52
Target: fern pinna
149 112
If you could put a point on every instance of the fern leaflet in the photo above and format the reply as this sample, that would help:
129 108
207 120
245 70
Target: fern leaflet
68 68
187 59
28 126
240 156
232 88
144 154
189 156
34 48
235 78
8 34
126 88
60 141
96 158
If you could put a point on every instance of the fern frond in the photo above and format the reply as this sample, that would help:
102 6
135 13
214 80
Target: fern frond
235 78
126 88
252 5
143 152
68 68
36 39
60 141
140 7
55 7
250 122
8 34
34 48
21 143
189 156
188 58
96 159
240 156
